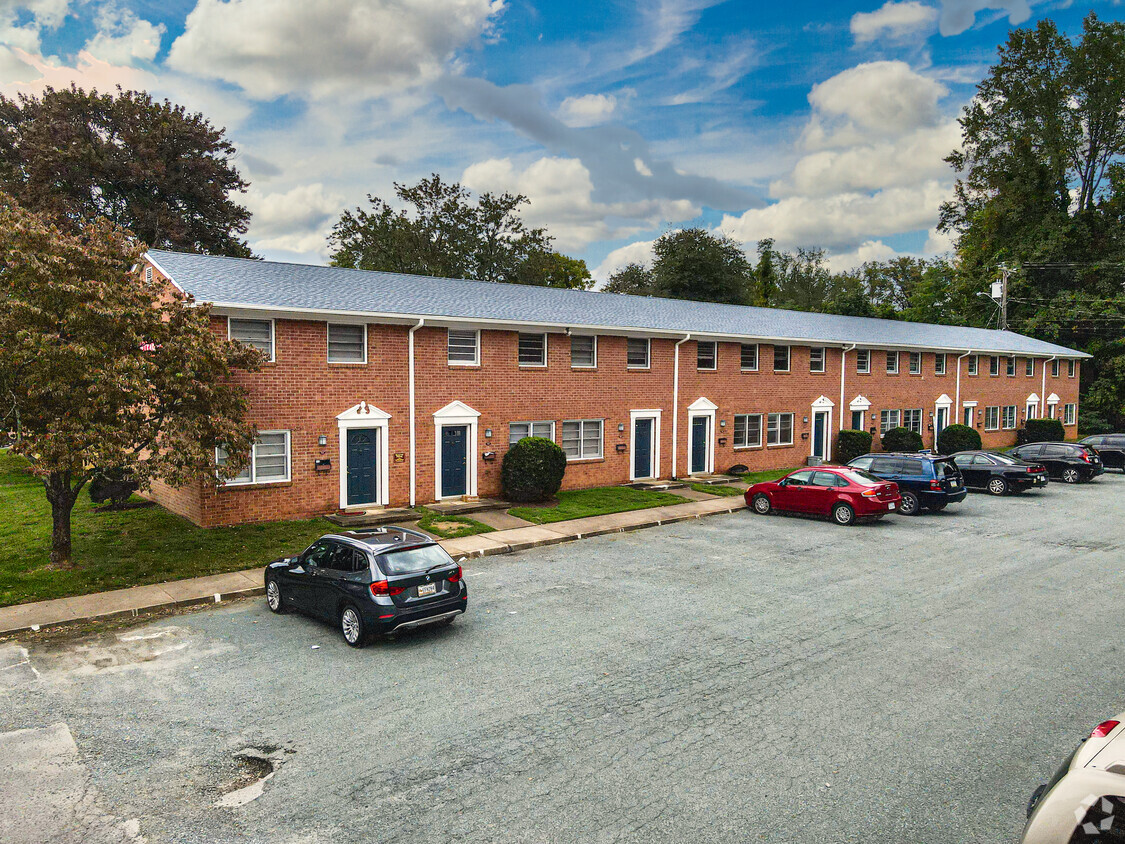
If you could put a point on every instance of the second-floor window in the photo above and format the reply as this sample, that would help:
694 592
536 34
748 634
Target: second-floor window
863 361
974 364
749 357
1055 368
1011 366
256 333
637 353
583 351
533 349
1029 368
347 343
915 363
705 354
892 363
994 365
1070 368
816 359
939 364
463 347
780 358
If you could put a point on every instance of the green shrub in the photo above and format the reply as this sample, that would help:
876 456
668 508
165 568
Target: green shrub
851 444
1091 422
957 438
113 486
1045 431
532 470
901 439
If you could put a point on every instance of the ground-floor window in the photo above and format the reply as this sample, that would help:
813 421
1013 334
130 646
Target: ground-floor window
1009 417
518 430
779 429
889 419
992 418
912 419
582 439
269 460
747 430
1069 414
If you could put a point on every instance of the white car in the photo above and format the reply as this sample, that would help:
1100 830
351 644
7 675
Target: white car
1085 799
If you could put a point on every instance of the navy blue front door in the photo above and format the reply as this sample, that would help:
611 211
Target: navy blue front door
642 448
699 426
362 476
454 460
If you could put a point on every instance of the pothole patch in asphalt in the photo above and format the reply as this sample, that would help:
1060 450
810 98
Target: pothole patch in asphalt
252 768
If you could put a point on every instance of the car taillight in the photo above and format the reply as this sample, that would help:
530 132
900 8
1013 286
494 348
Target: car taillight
936 485
1104 729
454 576
870 493
1085 456
381 587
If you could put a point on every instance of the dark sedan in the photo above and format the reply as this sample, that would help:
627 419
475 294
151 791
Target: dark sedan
1110 447
1070 462
377 581
999 473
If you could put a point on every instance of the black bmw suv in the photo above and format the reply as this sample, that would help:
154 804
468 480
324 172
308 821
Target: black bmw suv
924 480
1071 462
999 473
375 581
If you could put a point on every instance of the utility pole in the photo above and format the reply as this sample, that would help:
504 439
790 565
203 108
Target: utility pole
1000 295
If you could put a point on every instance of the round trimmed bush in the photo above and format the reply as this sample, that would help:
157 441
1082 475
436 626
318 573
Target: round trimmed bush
1045 431
851 444
532 470
901 439
957 438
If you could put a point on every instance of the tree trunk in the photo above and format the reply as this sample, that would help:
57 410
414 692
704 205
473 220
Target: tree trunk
62 499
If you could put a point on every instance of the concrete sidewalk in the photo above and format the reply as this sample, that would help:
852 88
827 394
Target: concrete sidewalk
219 587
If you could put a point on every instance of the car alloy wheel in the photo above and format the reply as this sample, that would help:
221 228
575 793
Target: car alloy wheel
1071 476
351 625
273 596
910 504
761 504
843 514
997 486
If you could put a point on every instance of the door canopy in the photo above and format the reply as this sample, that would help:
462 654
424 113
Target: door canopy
363 412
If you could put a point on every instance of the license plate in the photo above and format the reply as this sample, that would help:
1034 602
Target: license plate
427 589
954 484
891 506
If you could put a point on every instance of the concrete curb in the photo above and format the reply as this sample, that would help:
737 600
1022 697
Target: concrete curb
122 603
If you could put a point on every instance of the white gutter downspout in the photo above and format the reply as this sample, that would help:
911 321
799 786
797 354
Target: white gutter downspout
957 411
676 401
843 369
410 368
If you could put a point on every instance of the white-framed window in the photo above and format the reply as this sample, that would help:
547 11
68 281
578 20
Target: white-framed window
1069 412
749 357
706 354
582 439
892 363
939 363
347 343
780 358
974 364
889 419
1011 367
1055 368
148 274
863 361
747 430
256 333
532 349
1009 417
462 347
967 416
915 363
1070 368
584 351
816 359
779 428
269 460
912 419
994 365
992 418
518 430
1029 368
637 352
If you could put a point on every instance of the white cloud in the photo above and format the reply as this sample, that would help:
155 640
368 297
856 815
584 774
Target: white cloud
87 72
869 250
561 199
587 110
896 21
328 47
41 14
122 37
939 243
296 221
959 15
638 252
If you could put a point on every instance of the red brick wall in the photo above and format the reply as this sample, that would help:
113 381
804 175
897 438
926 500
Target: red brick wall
301 393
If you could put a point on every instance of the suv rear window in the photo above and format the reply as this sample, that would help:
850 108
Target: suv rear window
885 466
946 468
410 560
911 466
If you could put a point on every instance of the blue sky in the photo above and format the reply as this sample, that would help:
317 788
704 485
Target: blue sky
817 124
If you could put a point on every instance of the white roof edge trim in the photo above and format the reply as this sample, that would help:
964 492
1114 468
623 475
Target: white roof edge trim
164 272
616 330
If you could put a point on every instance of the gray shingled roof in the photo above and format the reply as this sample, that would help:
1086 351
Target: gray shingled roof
295 288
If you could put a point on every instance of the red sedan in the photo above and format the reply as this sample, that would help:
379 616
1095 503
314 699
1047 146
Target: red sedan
843 493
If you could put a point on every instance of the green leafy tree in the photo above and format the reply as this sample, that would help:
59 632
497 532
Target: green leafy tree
151 167
804 280
552 269
99 368
634 279
695 264
765 275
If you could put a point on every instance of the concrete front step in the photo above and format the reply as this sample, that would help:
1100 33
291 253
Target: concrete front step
712 480
374 517
656 486
458 507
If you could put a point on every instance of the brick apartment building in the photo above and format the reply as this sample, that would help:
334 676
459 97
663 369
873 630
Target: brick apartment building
384 389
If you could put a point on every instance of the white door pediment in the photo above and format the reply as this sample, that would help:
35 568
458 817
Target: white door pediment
860 403
702 403
1033 399
456 409
1053 399
363 412
823 403
943 401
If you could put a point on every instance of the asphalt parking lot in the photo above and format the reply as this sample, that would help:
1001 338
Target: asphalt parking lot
737 679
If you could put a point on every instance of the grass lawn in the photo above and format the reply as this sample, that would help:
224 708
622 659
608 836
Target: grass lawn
771 475
450 527
127 548
579 503
717 489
